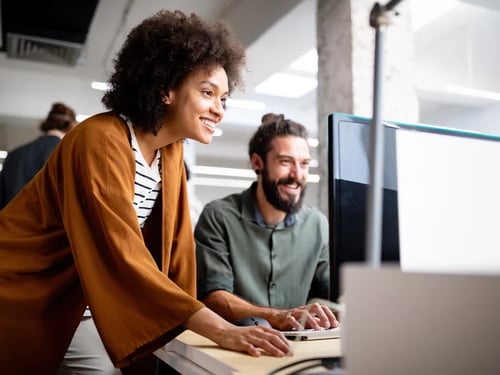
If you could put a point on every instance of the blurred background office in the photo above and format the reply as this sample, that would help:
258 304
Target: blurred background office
64 50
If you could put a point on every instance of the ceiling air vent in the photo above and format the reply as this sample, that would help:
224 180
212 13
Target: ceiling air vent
45 50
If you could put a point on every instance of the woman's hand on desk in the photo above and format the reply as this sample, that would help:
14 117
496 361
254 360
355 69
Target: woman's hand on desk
253 340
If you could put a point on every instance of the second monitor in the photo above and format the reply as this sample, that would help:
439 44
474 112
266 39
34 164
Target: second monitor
349 177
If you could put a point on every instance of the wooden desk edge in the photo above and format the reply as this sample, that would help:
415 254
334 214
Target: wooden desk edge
190 349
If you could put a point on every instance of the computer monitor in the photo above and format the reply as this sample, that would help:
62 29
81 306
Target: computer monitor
441 197
349 177
448 200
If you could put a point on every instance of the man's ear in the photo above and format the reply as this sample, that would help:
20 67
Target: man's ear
257 163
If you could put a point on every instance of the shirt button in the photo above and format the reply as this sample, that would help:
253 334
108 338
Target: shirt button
273 285
274 256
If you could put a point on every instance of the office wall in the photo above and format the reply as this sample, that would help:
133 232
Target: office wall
484 119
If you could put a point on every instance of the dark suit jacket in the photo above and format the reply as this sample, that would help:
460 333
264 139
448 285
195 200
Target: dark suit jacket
22 164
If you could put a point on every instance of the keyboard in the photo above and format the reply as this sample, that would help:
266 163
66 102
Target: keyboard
310 334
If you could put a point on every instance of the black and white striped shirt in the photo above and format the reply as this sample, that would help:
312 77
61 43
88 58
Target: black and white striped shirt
147 180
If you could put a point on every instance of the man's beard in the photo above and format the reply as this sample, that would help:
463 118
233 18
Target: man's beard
270 187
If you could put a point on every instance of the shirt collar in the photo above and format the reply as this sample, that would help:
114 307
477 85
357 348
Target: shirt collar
251 209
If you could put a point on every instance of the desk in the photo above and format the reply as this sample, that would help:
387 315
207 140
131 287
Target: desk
191 353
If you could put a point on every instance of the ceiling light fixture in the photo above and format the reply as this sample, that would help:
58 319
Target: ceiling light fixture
220 171
476 93
221 182
313 142
102 86
245 104
287 85
307 63
245 176
421 16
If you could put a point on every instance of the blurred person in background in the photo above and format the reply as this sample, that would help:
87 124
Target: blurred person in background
23 162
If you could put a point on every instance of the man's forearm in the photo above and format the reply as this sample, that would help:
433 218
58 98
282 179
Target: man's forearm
232 307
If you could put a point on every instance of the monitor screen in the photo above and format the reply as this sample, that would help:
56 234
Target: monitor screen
449 201
349 177
441 199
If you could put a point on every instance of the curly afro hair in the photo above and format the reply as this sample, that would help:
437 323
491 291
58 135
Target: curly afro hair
158 55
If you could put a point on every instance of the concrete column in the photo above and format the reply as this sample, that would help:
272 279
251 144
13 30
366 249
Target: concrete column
345 43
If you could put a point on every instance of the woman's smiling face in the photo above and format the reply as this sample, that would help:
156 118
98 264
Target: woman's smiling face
196 107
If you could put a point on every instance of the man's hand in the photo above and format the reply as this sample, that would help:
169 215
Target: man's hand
315 316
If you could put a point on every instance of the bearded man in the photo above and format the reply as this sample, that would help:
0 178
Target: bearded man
263 253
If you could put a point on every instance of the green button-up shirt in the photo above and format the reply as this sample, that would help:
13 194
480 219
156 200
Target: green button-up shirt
280 266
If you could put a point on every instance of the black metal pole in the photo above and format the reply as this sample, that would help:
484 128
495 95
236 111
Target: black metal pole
378 20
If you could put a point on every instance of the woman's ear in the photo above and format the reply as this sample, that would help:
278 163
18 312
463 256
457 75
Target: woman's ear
166 99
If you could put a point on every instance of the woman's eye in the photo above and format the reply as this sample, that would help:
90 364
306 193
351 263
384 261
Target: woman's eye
207 92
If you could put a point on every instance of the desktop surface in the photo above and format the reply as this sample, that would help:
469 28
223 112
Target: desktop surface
195 354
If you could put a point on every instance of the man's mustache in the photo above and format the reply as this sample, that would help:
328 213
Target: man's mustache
290 180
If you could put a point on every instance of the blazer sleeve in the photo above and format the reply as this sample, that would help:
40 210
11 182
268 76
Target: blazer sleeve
136 307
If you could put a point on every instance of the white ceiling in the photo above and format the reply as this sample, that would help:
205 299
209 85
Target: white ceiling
456 48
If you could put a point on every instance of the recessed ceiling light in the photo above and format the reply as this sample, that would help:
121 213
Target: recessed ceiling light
222 182
476 93
102 86
221 171
307 63
245 104
422 15
313 142
286 85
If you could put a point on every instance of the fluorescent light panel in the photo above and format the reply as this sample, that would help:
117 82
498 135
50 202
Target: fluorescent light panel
287 85
423 12
313 142
307 63
245 175
220 171
245 104
221 182
476 93
102 86
236 183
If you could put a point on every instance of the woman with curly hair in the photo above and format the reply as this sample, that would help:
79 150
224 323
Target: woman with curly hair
105 225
